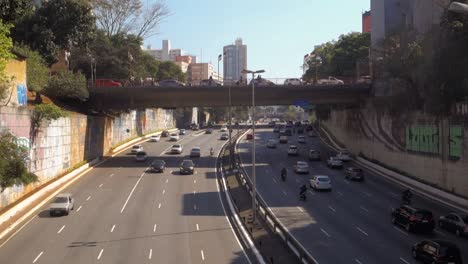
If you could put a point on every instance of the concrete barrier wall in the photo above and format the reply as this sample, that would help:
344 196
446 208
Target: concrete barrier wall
437 155
64 143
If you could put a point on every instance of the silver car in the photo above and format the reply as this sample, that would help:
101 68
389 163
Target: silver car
62 204
301 167
271 143
176 149
141 156
320 182
137 148
195 152
334 162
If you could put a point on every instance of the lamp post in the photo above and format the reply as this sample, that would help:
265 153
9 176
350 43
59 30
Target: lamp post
254 178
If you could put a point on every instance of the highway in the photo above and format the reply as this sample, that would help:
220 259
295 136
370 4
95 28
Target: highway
124 214
350 224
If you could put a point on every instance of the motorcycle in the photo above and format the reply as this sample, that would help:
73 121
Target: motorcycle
211 152
406 200
303 197
283 176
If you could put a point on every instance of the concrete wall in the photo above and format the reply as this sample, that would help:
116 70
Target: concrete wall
432 150
66 142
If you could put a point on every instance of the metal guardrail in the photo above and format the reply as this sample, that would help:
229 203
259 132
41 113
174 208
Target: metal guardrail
264 211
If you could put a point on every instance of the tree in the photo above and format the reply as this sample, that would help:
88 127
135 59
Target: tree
13 10
170 70
37 70
68 85
128 16
5 54
13 157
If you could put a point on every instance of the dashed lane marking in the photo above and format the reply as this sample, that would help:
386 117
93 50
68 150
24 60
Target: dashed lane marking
112 229
38 256
100 254
61 229
79 208
362 231
331 208
325 232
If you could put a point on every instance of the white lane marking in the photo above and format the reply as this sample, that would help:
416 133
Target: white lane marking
89 197
150 255
404 260
202 255
439 232
368 194
100 254
112 229
155 227
298 181
38 256
79 208
164 191
172 172
399 230
159 206
274 180
311 192
331 208
194 207
112 175
285 194
300 209
60 231
357 261
325 232
131 192
362 231
167 180
100 185
194 181
340 194
364 209
393 194
198 229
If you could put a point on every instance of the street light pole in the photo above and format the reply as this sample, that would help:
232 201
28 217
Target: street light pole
254 176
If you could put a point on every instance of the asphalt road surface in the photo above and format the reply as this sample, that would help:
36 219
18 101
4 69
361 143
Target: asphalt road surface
124 214
350 224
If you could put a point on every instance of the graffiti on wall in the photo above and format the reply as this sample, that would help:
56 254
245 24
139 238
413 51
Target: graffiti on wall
22 94
423 139
455 142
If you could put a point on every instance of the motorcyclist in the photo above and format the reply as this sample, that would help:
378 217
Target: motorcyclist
211 151
284 174
407 195
302 193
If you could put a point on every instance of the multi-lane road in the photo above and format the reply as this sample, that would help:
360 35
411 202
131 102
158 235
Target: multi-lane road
124 214
350 224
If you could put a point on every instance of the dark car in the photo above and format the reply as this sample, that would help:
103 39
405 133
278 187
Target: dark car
276 129
194 127
436 251
187 167
158 166
300 130
455 223
209 131
165 133
413 218
288 132
171 83
353 173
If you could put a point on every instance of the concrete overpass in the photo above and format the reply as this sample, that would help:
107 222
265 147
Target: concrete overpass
120 98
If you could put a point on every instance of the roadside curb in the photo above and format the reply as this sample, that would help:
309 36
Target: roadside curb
421 188
52 189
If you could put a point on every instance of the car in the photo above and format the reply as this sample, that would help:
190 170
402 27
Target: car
293 151
354 173
272 124
62 205
158 165
300 130
301 139
194 127
209 131
344 155
224 136
436 251
195 152
137 148
283 139
314 154
182 132
365 79
320 182
141 156
223 129
455 223
187 167
271 143
155 138
276 129
259 81
288 132
330 81
292 81
107 83
171 83
305 122
165 133
412 218
334 162
176 149
210 82
301 167
312 134
174 137
249 136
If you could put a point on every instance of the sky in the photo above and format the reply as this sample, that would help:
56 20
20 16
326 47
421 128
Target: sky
277 33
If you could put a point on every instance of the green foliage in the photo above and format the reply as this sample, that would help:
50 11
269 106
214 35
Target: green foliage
67 85
48 112
37 70
170 70
5 45
13 159
13 10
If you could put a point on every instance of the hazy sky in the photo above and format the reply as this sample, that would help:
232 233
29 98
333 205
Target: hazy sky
277 33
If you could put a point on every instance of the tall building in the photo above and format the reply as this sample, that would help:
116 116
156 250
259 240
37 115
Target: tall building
234 61
198 72
166 53
366 22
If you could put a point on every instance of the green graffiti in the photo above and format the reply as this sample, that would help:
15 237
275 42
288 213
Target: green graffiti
424 139
455 141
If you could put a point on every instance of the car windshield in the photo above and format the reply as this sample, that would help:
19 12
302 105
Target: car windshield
174 135
158 162
301 164
196 149
141 153
136 147
423 214
176 146
187 163
60 200
292 147
323 179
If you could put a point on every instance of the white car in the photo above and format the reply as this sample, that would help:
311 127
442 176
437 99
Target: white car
271 143
320 182
224 136
334 162
182 132
141 156
301 139
293 151
174 137
176 149
292 81
301 167
365 79
223 129
195 152
62 204
330 81
155 138
343 156
137 148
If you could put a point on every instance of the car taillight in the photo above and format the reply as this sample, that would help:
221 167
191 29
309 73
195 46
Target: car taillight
413 218
466 228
